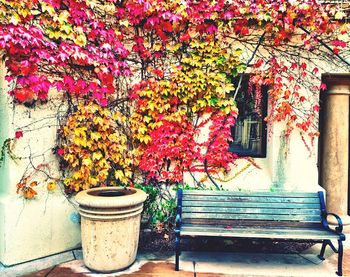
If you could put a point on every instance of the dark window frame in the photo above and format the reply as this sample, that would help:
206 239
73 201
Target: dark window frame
264 110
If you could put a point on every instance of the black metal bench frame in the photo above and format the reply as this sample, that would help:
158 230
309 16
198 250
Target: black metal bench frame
323 226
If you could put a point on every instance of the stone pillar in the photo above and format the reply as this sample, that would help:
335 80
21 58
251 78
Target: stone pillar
335 146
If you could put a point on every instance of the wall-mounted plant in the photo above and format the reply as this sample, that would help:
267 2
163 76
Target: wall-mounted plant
141 79
94 148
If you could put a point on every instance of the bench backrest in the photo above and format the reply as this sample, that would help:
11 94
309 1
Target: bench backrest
302 209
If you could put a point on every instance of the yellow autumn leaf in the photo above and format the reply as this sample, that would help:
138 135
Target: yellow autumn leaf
103 163
23 12
46 7
151 105
67 181
80 141
76 175
98 120
69 158
174 47
86 162
63 16
119 174
127 161
51 186
80 132
124 23
102 175
80 40
155 125
67 28
56 35
219 90
119 117
157 47
147 119
92 181
91 3
145 139
128 173
15 18
142 129
97 156
122 147
95 135
339 15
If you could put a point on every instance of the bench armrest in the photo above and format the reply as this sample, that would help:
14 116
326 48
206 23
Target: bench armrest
339 228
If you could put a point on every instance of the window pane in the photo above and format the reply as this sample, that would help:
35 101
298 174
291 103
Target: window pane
249 131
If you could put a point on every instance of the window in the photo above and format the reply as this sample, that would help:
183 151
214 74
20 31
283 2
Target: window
249 131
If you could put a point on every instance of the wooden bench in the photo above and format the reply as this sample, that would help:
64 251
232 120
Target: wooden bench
294 216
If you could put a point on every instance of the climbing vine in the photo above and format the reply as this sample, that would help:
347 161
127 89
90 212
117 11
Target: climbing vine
147 84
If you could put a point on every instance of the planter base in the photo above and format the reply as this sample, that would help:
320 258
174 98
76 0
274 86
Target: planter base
111 271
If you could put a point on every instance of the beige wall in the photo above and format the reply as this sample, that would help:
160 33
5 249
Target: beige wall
30 229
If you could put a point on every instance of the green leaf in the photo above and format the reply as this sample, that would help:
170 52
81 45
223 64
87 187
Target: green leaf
213 101
241 67
221 60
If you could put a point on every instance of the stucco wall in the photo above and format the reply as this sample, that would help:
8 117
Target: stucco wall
47 224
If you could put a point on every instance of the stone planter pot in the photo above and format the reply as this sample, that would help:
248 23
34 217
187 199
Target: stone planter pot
110 226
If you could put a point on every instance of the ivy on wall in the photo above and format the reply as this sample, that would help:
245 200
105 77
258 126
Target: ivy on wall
142 79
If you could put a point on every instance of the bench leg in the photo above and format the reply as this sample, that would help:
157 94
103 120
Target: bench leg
323 249
335 250
177 253
340 258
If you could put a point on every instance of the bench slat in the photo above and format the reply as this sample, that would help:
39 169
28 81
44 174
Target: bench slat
293 194
227 204
275 211
254 228
258 233
252 223
253 199
304 218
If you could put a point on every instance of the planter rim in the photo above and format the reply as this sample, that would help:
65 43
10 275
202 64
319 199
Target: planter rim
83 198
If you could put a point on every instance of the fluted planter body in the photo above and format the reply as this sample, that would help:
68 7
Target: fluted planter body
110 226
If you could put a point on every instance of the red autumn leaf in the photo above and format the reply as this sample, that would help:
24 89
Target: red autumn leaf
184 37
133 96
159 72
258 63
24 95
60 151
167 27
339 43
245 31
211 29
18 134
293 66
316 108
323 86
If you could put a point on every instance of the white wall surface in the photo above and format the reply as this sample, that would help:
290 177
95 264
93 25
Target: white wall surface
47 224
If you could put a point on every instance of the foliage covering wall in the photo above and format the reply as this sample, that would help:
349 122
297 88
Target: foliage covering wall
139 80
